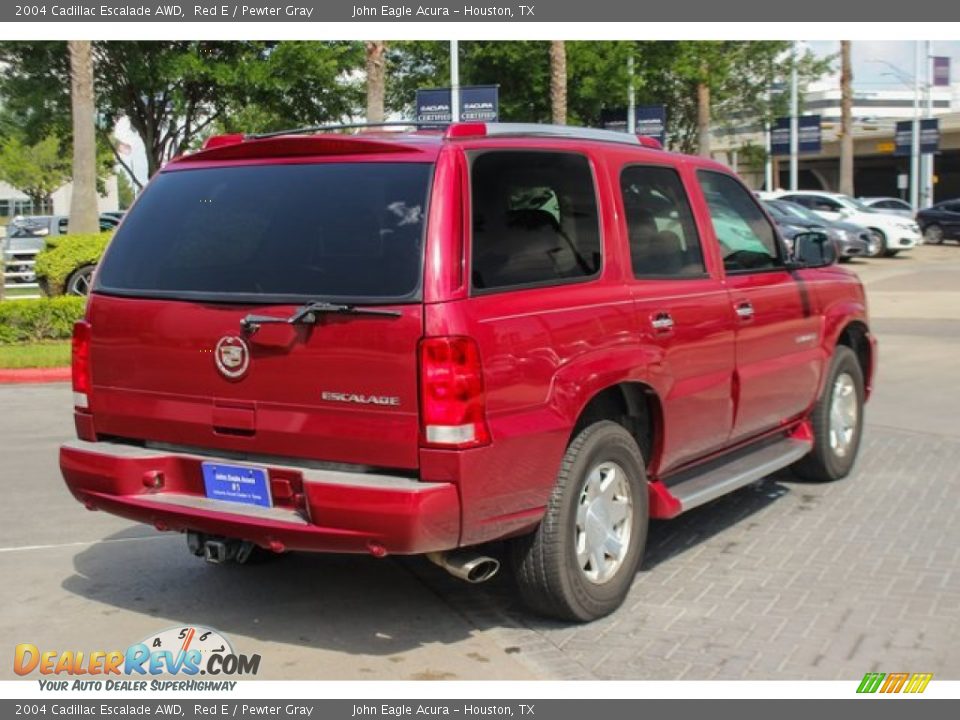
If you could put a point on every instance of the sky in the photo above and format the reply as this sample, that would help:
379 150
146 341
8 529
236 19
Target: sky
868 74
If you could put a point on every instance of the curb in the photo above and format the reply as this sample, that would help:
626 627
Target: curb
19 376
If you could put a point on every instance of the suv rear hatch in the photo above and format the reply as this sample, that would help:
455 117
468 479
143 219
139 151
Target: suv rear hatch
212 243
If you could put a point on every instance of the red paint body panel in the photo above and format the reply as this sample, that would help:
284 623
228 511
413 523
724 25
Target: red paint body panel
717 382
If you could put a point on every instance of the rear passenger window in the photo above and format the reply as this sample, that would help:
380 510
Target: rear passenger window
534 219
747 240
660 226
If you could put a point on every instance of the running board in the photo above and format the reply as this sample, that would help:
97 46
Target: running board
737 472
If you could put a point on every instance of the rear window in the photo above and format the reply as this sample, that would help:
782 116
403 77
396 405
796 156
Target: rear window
275 232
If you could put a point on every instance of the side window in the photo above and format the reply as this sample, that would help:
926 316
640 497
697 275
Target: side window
660 225
534 219
747 239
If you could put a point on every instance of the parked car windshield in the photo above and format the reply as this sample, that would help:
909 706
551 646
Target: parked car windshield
855 204
274 232
788 209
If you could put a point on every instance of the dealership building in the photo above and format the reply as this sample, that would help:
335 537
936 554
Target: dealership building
878 169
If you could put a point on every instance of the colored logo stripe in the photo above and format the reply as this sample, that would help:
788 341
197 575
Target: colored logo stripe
894 682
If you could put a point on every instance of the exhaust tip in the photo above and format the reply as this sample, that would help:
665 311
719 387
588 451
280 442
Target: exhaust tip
481 570
469 567
215 552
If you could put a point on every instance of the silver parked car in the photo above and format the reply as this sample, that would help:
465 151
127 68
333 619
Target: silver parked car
889 205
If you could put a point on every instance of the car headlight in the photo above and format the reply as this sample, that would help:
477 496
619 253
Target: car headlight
840 235
907 226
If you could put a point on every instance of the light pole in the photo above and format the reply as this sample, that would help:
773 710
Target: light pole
915 83
915 140
631 98
928 159
454 81
794 121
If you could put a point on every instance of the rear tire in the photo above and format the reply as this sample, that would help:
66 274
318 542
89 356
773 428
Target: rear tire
837 421
580 562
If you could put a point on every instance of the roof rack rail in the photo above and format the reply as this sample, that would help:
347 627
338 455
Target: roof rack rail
341 126
544 130
479 129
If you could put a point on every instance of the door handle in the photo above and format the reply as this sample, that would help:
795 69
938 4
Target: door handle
662 322
744 310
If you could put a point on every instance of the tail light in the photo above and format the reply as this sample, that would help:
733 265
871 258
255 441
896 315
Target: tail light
452 401
81 364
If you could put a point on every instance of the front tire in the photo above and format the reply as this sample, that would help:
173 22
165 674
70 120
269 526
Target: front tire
933 235
580 562
880 243
80 281
837 421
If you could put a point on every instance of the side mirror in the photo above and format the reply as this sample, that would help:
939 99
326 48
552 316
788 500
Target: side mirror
814 249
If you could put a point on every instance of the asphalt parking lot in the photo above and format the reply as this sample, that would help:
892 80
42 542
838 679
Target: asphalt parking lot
781 580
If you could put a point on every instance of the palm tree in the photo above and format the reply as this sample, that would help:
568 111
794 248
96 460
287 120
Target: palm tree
376 79
846 119
558 81
84 215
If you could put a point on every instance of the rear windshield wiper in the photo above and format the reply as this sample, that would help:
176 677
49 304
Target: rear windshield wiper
309 313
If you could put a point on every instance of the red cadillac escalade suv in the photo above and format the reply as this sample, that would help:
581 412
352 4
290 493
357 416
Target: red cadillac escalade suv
418 342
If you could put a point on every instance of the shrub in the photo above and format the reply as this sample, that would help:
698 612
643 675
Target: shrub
43 319
63 255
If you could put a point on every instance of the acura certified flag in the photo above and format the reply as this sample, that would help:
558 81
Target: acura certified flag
941 72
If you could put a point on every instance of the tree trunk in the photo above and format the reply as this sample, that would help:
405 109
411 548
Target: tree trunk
703 119
558 82
846 120
376 80
84 214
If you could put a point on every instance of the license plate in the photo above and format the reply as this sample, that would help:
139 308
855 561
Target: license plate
237 483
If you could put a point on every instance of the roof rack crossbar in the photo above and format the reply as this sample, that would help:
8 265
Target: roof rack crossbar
341 126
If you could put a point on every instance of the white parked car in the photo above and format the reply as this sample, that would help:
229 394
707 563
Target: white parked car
893 205
893 232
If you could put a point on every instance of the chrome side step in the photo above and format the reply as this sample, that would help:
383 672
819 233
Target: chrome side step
741 470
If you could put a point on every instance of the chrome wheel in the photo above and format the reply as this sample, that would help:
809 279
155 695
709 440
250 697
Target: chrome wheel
80 281
604 522
844 415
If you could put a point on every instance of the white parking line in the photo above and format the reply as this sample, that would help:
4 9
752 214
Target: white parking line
22 548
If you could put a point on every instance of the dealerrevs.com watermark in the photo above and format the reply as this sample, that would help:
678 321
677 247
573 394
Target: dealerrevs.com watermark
189 651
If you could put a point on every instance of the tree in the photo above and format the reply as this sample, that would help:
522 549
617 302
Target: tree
846 119
174 93
84 213
376 79
558 82
35 170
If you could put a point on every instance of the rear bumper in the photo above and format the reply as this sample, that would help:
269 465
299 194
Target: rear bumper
314 509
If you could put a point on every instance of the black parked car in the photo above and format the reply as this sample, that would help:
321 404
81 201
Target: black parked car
851 240
940 222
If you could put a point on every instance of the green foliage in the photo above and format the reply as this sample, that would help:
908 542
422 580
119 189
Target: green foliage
125 194
738 73
66 253
174 93
36 170
36 320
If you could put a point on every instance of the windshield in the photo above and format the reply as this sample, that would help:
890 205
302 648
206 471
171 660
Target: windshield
855 204
790 209
275 232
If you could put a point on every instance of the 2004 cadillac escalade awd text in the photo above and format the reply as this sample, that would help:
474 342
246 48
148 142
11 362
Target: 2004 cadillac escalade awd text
419 342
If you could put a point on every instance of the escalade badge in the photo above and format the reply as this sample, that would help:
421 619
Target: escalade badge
232 357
